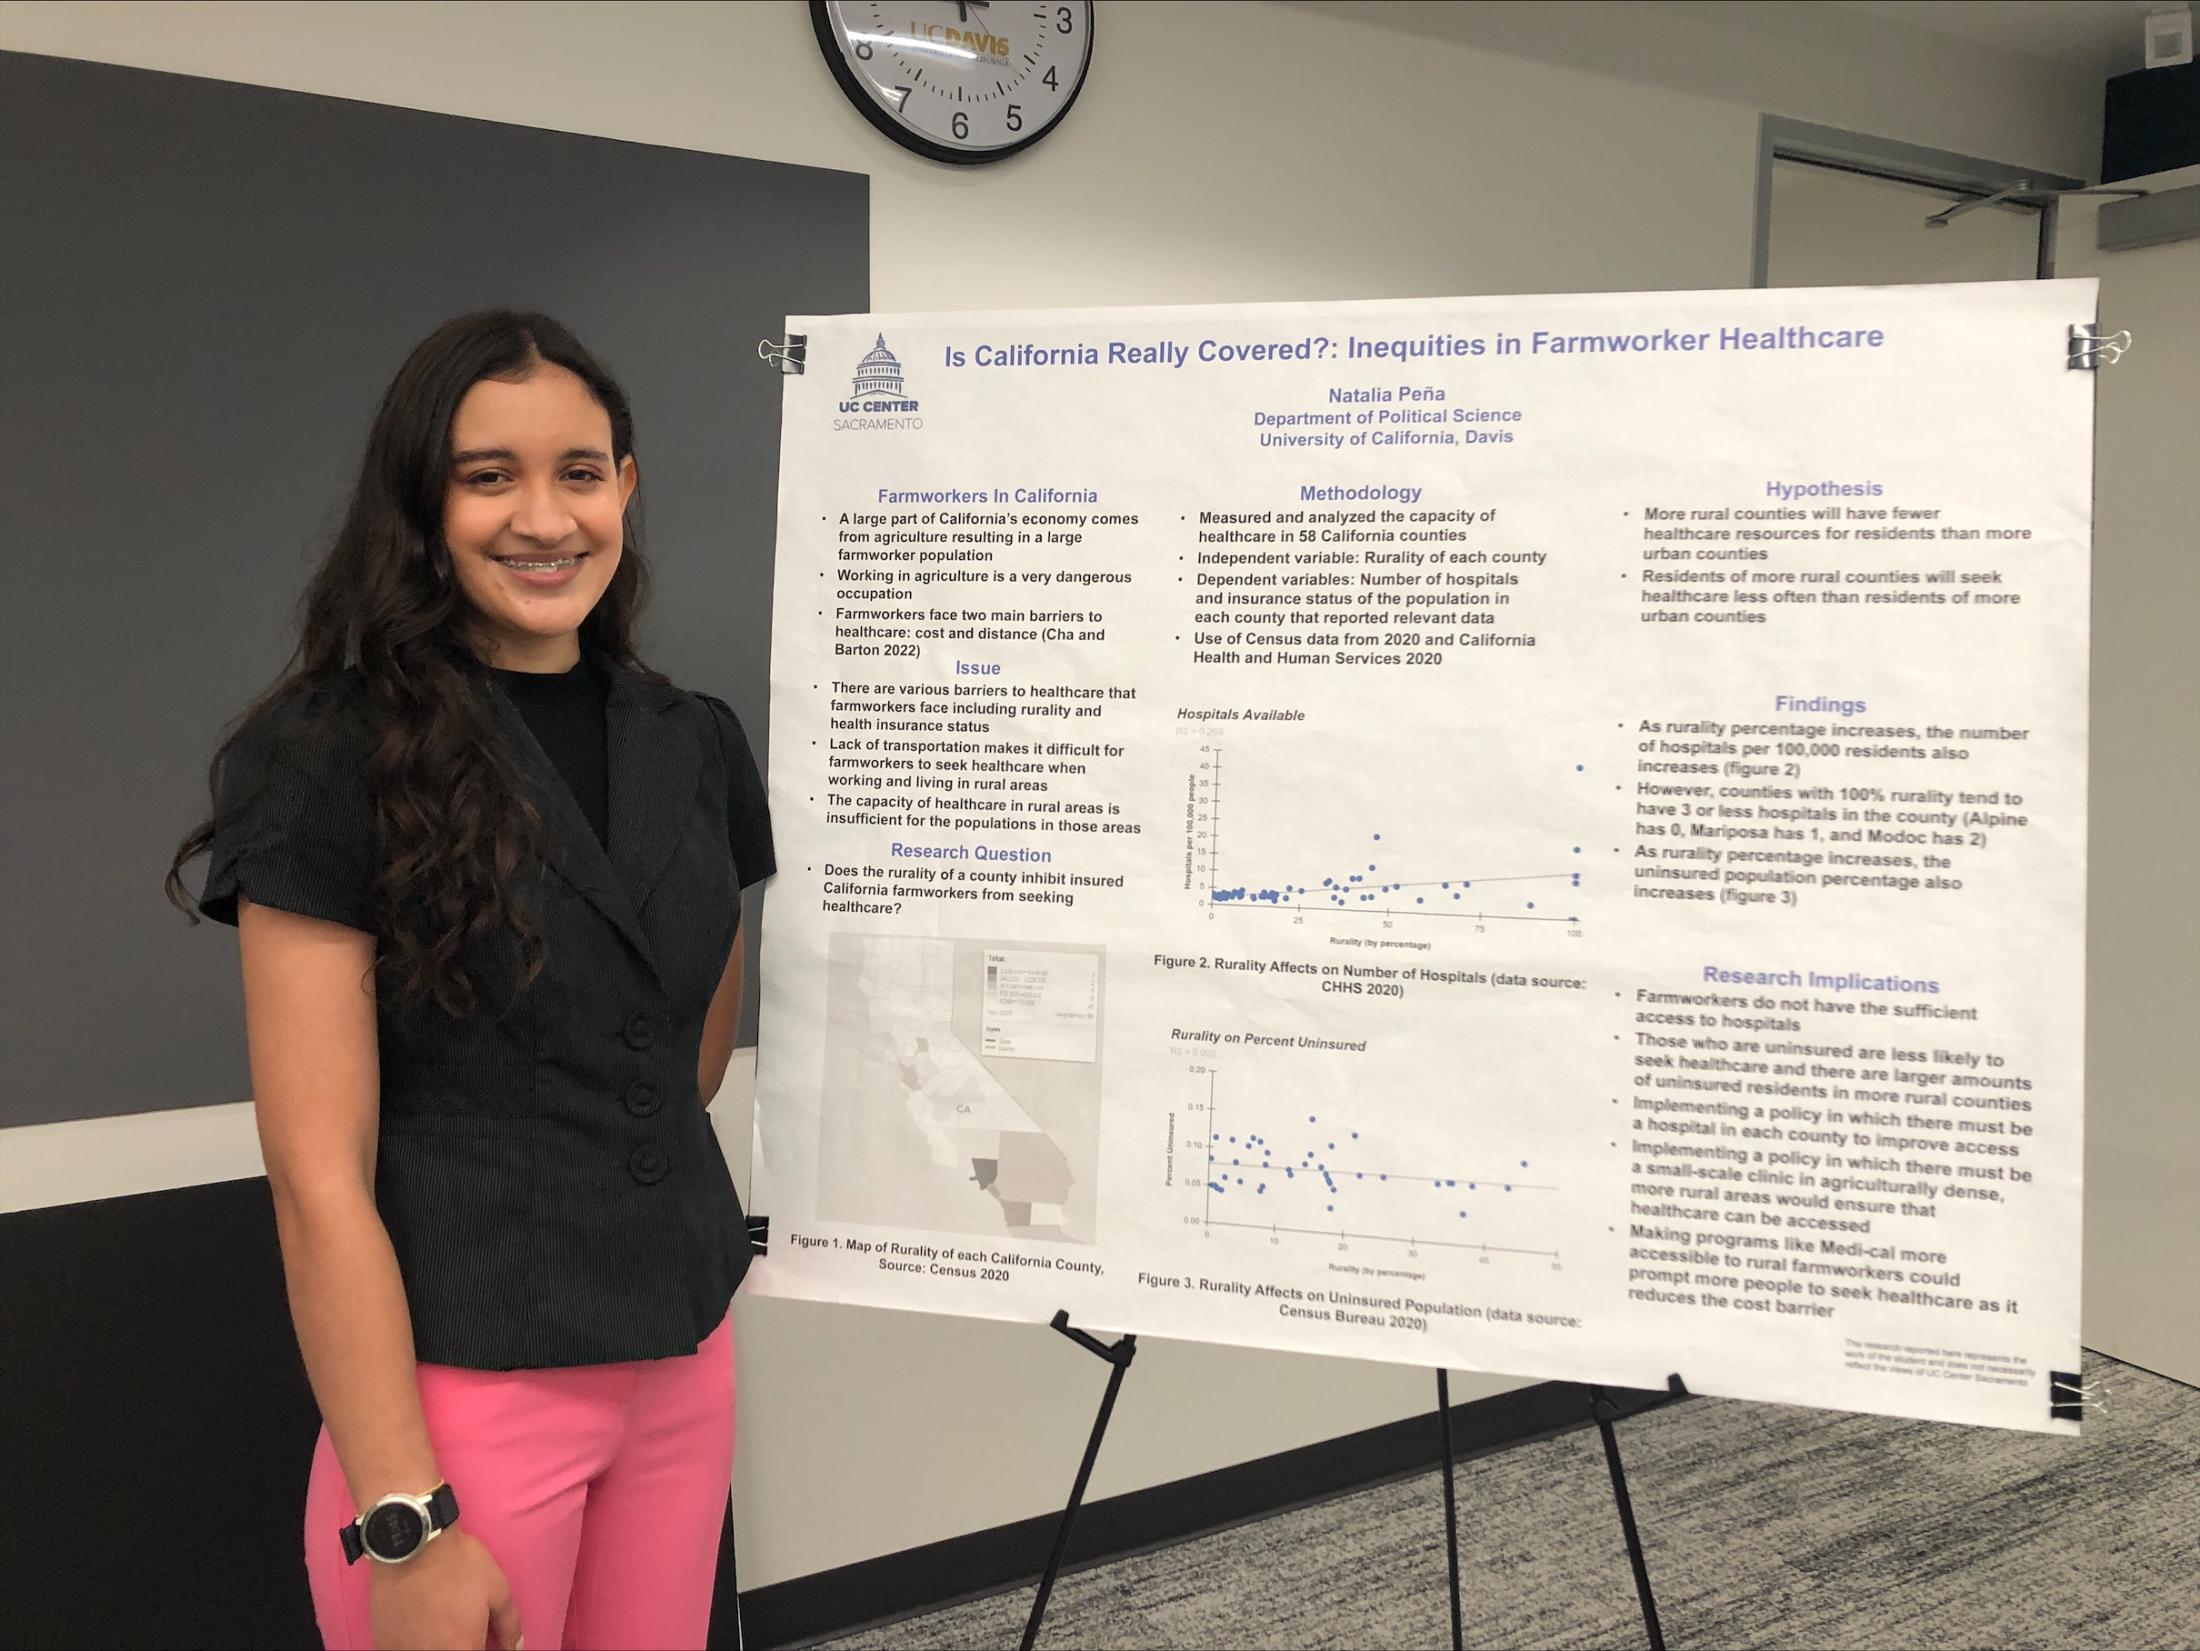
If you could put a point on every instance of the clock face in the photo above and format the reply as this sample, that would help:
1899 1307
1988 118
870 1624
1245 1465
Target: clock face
964 80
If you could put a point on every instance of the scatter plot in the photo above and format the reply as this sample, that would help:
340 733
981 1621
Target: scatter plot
1245 851
1317 1179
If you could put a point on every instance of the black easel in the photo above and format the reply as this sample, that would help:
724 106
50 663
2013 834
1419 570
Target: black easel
1451 1503
1603 1407
1119 1356
1605 1410
1608 1410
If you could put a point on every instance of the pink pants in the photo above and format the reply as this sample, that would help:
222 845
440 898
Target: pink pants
600 1490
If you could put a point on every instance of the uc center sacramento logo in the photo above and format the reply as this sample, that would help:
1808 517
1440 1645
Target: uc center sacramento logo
879 400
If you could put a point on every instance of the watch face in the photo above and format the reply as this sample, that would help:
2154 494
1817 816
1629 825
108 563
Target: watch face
393 1530
959 80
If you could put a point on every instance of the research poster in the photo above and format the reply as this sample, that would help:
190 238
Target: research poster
1542 835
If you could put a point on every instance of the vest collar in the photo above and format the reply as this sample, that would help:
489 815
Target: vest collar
654 764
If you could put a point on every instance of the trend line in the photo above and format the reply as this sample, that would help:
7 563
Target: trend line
1380 1238
1408 911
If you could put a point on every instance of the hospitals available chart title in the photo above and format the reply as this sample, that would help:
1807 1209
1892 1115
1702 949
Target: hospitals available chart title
1175 353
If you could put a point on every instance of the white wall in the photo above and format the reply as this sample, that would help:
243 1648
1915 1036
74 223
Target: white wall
1232 151
2142 1124
1220 152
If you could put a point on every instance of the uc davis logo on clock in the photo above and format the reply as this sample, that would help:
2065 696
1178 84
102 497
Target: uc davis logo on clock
879 399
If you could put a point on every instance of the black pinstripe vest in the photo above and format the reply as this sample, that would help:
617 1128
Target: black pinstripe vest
547 1172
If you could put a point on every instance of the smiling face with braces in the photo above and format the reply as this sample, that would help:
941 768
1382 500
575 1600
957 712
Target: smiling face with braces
534 513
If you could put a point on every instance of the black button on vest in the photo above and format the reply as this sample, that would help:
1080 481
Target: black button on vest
647 1166
641 1031
642 1098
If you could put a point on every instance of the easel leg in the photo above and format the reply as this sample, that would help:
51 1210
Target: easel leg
1451 1504
1605 1412
1119 1357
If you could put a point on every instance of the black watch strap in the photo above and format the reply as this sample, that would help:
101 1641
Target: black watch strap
442 1515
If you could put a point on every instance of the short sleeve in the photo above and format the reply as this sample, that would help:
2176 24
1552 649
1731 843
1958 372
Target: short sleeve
748 810
294 829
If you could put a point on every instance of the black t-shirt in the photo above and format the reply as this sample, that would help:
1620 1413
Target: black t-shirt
565 712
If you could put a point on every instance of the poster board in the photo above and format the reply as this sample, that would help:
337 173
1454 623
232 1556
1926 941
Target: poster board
1533 834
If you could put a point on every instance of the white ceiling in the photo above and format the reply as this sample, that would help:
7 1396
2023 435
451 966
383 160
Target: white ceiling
2103 36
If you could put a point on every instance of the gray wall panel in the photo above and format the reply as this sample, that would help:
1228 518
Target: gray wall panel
204 288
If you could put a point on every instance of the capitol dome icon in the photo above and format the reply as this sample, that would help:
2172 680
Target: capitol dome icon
878 375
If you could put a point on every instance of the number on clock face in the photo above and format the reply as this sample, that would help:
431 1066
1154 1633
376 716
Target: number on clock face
959 80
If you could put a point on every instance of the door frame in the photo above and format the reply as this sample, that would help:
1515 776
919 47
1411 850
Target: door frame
1782 139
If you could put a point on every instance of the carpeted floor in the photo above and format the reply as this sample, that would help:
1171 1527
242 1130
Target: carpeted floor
1764 1525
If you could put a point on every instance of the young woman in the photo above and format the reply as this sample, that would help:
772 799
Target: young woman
486 872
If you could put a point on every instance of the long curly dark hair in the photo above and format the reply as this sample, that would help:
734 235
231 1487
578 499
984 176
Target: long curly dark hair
453 823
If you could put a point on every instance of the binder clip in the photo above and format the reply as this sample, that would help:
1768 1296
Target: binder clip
789 354
2091 349
760 1234
2068 1395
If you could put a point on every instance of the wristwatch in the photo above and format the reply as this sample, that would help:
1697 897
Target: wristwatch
399 1526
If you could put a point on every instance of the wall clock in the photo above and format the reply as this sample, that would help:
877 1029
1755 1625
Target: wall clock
967 81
